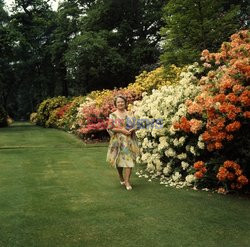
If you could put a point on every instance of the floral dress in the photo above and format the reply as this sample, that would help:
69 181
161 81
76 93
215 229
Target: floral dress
122 150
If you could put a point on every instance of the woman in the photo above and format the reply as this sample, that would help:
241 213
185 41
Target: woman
123 147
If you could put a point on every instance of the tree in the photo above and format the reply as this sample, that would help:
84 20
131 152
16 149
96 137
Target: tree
31 25
5 58
92 62
194 25
85 45
129 30
66 29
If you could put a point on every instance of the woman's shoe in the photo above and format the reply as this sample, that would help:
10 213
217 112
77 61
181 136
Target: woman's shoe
122 182
128 187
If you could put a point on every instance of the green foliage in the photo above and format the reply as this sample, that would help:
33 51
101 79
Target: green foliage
66 21
120 37
6 73
3 117
92 61
45 115
194 25
30 73
83 46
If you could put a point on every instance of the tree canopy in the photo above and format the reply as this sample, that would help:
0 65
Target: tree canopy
194 25
94 44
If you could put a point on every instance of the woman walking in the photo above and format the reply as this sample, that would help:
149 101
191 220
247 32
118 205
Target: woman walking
123 148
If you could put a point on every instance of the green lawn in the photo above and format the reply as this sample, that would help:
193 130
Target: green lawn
57 191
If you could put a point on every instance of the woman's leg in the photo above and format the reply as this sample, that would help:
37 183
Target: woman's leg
120 172
128 171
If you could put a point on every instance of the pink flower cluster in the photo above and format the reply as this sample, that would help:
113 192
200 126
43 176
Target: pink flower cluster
95 118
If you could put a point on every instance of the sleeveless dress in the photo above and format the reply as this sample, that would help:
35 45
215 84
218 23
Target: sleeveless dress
122 150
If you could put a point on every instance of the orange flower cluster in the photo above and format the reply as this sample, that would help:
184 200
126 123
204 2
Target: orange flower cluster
233 97
225 97
201 169
246 114
194 107
231 172
222 107
183 125
62 110
235 49
233 126
193 125
245 98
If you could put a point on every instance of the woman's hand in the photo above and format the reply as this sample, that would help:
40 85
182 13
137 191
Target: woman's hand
126 132
132 130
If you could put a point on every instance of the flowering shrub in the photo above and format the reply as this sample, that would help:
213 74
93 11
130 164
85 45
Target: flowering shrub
204 128
223 105
147 81
68 119
168 154
33 117
88 115
226 96
100 96
231 174
56 116
93 114
46 108
93 118
10 120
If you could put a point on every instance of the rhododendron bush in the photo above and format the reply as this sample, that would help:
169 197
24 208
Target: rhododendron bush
205 139
67 114
193 121
45 113
87 116
147 81
168 154
92 115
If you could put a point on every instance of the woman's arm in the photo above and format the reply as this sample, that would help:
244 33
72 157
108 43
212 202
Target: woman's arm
121 130
111 128
132 122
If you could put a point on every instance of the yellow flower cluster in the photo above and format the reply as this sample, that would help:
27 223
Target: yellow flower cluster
145 82
155 79
99 96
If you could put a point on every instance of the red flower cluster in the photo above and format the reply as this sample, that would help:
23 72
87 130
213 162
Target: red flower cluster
201 169
231 172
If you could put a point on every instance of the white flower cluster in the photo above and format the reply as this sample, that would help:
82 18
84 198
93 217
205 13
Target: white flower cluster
164 151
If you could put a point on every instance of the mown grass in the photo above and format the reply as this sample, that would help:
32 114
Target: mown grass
57 191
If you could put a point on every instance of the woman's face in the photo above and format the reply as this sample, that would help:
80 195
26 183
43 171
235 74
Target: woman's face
120 104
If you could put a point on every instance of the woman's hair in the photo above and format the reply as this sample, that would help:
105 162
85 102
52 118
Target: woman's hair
122 97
